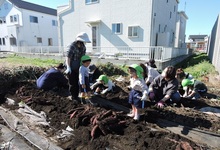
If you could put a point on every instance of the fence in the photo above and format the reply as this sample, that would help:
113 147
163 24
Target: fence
121 52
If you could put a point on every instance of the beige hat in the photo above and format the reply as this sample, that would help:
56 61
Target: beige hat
83 37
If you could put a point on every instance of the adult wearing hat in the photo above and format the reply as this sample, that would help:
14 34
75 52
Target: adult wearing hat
53 78
74 53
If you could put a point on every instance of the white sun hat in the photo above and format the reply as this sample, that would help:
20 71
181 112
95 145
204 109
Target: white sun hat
83 37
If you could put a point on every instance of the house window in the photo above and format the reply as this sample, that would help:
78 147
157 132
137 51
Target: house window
33 19
13 18
167 1
13 41
116 28
39 40
0 41
133 31
3 41
50 41
54 23
174 9
170 15
91 1
2 20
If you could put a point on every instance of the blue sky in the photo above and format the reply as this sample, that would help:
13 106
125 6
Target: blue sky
202 14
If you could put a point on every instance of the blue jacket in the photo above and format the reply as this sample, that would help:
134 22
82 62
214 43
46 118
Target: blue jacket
51 79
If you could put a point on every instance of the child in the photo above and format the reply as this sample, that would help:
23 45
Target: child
196 88
84 80
138 91
180 75
94 74
103 85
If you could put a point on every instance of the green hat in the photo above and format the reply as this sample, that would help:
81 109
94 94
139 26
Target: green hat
139 70
103 78
85 58
186 82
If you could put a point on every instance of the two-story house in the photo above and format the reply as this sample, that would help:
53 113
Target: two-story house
198 42
26 24
139 23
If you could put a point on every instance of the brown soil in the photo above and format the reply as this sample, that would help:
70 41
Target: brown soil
121 132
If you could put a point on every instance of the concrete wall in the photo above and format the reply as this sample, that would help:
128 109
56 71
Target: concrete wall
214 45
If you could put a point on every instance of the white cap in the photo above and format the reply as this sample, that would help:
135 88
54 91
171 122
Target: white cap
83 37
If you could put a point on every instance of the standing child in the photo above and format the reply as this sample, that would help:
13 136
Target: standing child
138 91
84 80
103 85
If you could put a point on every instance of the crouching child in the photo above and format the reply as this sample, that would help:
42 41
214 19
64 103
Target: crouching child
103 85
196 88
138 90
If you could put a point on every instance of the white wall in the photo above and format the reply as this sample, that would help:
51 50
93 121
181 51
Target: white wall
114 11
147 14
26 32
162 22
44 29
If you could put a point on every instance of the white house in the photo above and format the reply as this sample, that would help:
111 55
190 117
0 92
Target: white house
139 23
25 24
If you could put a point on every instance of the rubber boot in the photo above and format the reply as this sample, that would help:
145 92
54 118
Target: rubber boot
83 101
89 101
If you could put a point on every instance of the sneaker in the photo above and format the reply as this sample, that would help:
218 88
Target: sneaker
95 93
130 114
137 117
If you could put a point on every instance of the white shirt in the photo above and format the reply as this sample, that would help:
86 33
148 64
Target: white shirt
152 73
138 85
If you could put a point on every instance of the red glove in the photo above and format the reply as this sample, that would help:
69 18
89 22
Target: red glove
160 104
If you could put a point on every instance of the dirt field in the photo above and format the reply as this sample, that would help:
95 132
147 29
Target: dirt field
105 127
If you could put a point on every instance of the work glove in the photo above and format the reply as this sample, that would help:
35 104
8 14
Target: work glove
160 104
144 97
68 70
104 91
151 95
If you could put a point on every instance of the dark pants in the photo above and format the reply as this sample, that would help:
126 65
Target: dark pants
135 98
74 83
174 98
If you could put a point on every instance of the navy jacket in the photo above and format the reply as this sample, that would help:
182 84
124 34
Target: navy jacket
50 79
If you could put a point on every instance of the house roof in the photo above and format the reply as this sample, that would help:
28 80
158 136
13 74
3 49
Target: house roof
34 7
197 36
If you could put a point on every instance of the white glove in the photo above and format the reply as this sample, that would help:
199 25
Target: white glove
144 97
68 70
104 91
